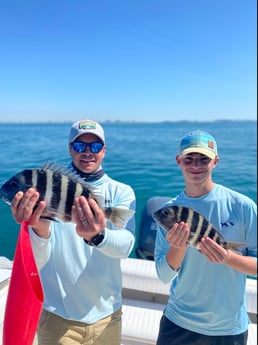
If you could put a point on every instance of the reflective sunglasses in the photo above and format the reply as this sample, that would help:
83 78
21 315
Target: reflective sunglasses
79 146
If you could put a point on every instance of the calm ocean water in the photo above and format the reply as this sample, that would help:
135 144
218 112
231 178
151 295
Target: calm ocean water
142 155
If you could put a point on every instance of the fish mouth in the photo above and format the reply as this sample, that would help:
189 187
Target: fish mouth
4 198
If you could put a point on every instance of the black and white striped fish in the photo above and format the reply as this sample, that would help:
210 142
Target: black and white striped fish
199 226
58 186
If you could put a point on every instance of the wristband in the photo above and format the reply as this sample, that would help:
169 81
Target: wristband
95 240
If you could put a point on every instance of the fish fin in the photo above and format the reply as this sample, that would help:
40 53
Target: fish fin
236 246
55 216
99 199
8 202
118 216
66 171
50 218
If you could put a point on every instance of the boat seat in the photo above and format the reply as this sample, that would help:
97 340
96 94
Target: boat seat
145 297
140 322
148 228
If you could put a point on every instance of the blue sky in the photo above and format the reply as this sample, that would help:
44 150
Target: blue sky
128 60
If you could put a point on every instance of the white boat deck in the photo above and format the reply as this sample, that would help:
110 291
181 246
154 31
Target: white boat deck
144 298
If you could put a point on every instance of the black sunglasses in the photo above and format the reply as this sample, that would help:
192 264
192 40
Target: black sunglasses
80 146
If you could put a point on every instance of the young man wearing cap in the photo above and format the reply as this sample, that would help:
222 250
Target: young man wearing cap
207 304
79 262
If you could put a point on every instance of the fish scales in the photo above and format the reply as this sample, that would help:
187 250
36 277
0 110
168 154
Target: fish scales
182 213
199 226
44 185
40 180
71 192
208 230
58 186
28 176
57 189
58 193
189 215
72 189
67 194
61 192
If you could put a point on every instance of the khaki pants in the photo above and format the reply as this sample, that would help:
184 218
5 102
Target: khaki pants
54 330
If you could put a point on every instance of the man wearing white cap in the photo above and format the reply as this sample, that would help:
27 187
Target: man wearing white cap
80 263
207 296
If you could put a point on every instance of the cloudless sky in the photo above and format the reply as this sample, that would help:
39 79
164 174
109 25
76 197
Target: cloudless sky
128 60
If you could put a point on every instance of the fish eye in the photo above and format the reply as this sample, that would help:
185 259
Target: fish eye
165 212
14 184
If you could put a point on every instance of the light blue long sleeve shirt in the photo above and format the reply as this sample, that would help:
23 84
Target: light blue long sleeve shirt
81 282
205 297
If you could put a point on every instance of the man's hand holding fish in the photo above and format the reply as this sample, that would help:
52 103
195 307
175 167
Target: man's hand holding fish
177 238
213 251
89 217
25 207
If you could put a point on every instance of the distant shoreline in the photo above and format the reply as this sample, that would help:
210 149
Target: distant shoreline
122 122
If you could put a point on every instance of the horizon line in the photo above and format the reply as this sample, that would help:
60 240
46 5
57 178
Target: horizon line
126 121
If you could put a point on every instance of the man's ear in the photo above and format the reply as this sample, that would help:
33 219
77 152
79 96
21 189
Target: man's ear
216 161
178 159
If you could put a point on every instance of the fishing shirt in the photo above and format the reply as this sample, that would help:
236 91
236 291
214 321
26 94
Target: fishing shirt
209 298
81 282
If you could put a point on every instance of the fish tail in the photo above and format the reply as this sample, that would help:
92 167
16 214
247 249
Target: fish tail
236 246
118 216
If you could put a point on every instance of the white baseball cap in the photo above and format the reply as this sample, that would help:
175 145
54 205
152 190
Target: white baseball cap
86 126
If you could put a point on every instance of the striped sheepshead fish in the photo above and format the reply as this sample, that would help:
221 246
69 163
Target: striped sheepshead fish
200 227
58 186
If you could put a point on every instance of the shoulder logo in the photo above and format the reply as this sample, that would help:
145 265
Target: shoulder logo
227 224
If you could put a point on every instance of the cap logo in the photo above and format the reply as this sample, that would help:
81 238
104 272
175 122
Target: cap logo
210 144
87 125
